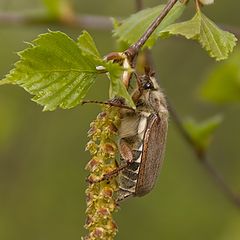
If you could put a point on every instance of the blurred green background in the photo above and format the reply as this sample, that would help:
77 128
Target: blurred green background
42 157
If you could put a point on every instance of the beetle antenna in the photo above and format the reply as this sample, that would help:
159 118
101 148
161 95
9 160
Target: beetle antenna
110 103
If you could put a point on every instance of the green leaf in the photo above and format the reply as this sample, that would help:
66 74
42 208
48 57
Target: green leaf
223 83
202 133
87 45
120 45
117 88
189 29
55 70
55 7
59 72
133 28
216 42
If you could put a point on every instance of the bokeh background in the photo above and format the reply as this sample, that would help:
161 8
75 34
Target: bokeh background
42 157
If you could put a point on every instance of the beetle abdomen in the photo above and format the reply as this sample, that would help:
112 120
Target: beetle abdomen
128 177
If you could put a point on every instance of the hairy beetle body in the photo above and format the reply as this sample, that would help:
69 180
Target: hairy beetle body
143 136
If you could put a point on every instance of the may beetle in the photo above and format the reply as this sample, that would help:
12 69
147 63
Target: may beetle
142 139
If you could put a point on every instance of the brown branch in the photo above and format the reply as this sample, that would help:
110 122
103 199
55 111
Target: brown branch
133 50
220 181
206 163
79 21
83 21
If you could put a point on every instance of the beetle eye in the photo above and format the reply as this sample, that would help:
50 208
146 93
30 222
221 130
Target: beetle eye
148 85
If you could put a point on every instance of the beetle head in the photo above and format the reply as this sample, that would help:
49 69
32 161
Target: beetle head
148 82
149 94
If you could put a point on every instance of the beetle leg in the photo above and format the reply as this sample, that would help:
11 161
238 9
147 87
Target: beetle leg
114 172
125 151
112 103
126 156
109 175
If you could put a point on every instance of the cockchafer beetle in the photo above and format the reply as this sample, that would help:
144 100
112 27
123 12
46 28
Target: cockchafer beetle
142 134
142 139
